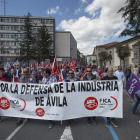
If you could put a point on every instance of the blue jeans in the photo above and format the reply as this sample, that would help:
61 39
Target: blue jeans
136 104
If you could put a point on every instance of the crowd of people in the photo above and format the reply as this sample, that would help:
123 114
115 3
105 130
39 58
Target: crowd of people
43 76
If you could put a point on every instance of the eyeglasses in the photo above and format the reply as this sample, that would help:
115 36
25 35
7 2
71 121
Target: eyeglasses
25 71
88 71
71 73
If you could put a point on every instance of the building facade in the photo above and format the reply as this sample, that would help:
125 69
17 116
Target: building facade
12 32
65 46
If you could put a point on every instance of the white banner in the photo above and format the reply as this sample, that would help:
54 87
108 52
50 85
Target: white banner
62 101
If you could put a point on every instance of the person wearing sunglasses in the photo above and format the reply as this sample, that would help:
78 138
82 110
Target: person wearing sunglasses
90 77
48 79
70 78
25 78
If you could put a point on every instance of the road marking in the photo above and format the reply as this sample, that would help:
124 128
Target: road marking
67 135
16 130
111 130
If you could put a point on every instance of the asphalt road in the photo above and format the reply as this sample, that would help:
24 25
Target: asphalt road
129 128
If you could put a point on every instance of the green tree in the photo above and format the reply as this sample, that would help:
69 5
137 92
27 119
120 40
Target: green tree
27 51
131 15
123 52
93 61
44 42
104 57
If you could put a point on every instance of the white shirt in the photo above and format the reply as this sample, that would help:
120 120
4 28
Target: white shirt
17 73
135 70
95 73
119 75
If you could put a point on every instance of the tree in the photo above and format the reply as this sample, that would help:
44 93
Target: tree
131 15
104 57
27 51
93 61
44 42
123 52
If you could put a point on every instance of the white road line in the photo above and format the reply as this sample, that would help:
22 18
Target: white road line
67 135
16 130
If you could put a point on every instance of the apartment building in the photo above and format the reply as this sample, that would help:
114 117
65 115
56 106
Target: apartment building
12 32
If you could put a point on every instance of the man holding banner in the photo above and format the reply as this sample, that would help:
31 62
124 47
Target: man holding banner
110 76
25 78
90 77
70 78
48 79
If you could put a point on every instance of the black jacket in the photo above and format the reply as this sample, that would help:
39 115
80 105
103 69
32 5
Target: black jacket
85 77
68 80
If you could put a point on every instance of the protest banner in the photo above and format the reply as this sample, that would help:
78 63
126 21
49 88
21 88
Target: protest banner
62 100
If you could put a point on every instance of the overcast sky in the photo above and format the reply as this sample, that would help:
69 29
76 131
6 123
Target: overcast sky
92 22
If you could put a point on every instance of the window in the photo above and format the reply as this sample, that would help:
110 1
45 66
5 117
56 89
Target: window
47 21
12 19
51 21
17 51
43 21
51 29
34 28
7 19
39 20
51 37
17 36
21 20
3 51
8 52
52 44
30 20
3 35
8 35
12 35
3 19
21 35
7 27
51 51
12 51
12 28
8 43
21 28
12 43
3 43
3 27
17 20
17 28
17 43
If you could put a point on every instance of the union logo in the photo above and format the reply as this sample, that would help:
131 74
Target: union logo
91 103
40 112
4 103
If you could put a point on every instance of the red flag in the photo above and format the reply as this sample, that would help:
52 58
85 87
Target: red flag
72 65
43 64
58 64
54 69
61 78
83 73
65 64
48 66
35 66
15 80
